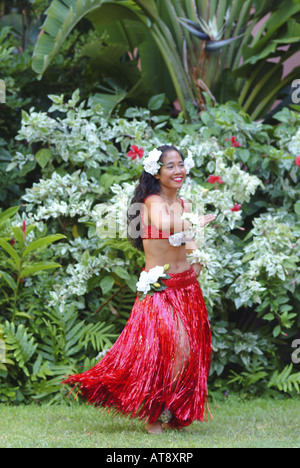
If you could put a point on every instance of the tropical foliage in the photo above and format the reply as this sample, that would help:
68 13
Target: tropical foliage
249 178
219 47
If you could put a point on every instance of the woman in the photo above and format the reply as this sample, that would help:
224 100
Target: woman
158 368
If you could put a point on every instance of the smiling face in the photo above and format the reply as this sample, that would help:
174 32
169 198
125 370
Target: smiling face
173 173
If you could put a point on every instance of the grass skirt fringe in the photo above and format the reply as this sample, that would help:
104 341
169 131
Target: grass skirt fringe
161 361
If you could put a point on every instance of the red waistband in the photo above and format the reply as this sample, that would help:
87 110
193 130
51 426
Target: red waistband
180 280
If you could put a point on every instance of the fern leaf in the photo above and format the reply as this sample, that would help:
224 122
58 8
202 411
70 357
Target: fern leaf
285 381
22 344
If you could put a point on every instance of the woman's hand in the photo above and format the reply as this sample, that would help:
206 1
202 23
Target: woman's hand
206 219
197 268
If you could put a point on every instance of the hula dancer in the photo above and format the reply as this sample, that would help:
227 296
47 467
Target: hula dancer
158 368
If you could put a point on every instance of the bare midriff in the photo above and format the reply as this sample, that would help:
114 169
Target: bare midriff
160 252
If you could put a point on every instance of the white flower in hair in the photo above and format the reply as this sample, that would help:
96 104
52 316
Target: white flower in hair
151 164
189 162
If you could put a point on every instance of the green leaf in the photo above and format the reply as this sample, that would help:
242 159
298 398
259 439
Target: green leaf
269 317
43 243
8 213
108 102
156 102
132 283
287 308
292 34
10 281
285 381
107 284
248 257
23 314
276 331
31 270
11 252
244 155
59 23
149 7
18 234
297 208
22 343
43 157
121 272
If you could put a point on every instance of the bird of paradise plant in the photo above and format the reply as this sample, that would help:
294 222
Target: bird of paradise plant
220 47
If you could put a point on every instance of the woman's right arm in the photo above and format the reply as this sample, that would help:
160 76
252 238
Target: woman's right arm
167 222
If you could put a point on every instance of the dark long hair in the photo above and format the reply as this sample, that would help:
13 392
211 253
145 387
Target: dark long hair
147 185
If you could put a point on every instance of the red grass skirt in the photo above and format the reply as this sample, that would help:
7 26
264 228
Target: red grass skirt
160 361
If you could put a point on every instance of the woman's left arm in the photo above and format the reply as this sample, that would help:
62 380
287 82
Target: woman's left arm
191 246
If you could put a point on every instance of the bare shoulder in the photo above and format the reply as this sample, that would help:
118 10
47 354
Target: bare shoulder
153 199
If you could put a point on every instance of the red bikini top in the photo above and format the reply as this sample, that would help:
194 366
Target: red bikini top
151 232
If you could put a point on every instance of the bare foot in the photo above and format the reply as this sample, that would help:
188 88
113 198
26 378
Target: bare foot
154 428
169 427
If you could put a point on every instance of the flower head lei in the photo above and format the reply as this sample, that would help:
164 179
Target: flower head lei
152 163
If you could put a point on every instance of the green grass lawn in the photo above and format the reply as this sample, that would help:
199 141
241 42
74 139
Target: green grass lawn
261 423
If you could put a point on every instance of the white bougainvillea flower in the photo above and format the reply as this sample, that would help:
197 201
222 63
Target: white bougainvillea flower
294 145
189 162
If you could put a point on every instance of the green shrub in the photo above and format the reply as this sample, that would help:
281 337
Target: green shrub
40 344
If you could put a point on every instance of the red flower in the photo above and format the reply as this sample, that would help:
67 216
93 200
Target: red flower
234 143
236 207
12 242
215 179
135 152
24 229
298 161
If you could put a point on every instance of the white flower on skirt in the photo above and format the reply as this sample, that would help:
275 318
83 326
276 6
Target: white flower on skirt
149 281
143 285
156 273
